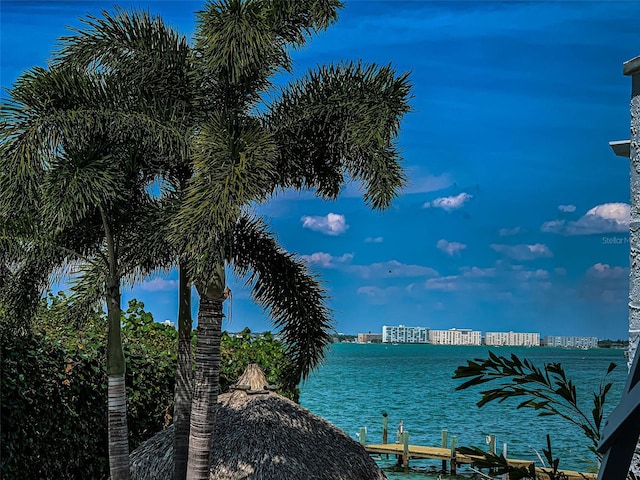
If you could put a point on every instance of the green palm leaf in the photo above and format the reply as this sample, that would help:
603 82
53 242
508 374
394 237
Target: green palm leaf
342 121
282 285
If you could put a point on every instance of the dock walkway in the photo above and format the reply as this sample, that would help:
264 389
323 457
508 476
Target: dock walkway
445 454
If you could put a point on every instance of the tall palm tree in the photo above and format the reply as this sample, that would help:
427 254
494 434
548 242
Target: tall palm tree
69 152
340 121
144 53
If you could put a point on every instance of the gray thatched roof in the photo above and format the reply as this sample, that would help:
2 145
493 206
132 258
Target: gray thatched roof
264 436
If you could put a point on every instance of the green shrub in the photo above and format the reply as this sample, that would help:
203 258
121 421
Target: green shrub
54 387
54 392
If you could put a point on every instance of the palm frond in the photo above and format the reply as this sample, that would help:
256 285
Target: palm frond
342 120
233 166
295 20
239 46
139 50
294 298
148 250
547 390
33 259
244 42
125 40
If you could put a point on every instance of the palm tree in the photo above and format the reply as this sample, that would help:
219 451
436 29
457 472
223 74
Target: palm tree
339 121
69 153
156 60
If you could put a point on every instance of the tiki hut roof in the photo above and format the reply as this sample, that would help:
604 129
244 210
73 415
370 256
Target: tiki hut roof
262 435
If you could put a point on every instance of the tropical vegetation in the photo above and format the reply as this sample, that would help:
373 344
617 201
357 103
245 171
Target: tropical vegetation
53 386
135 151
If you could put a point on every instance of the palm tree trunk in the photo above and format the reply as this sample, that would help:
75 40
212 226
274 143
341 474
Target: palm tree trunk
205 392
184 379
117 404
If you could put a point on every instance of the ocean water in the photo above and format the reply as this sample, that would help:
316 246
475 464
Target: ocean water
412 383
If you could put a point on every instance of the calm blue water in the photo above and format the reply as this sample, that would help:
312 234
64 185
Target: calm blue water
413 383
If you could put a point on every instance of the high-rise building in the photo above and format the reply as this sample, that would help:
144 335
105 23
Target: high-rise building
514 339
455 336
402 334
570 342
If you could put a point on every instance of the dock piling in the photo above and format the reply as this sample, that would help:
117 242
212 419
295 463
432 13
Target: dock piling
492 444
445 441
454 441
405 450
492 447
385 430
363 436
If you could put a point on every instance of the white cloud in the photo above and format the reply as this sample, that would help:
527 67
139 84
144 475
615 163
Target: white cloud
449 203
326 260
158 285
567 208
374 240
428 183
477 272
392 268
605 271
505 232
331 224
526 275
416 184
443 284
604 283
493 281
553 226
378 295
604 218
523 252
450 248
369 290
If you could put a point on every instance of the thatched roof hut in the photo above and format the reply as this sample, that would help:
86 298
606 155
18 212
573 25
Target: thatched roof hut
262 435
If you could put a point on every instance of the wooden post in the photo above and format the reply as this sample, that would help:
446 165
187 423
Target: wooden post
405 449
385 430
363 436
454 441
504 454
444 445
492 448
384 427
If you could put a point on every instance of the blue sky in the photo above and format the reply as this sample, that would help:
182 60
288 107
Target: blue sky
516 217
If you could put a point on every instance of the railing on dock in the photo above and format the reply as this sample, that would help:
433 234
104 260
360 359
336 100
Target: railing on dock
447 454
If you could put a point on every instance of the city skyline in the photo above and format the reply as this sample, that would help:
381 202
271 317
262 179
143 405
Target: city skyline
516 213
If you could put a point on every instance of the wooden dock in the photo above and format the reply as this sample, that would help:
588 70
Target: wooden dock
445 454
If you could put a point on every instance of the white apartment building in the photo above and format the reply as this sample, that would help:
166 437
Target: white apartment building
455 336
514 339
402 334
570 342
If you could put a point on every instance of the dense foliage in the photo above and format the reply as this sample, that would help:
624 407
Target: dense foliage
54 387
